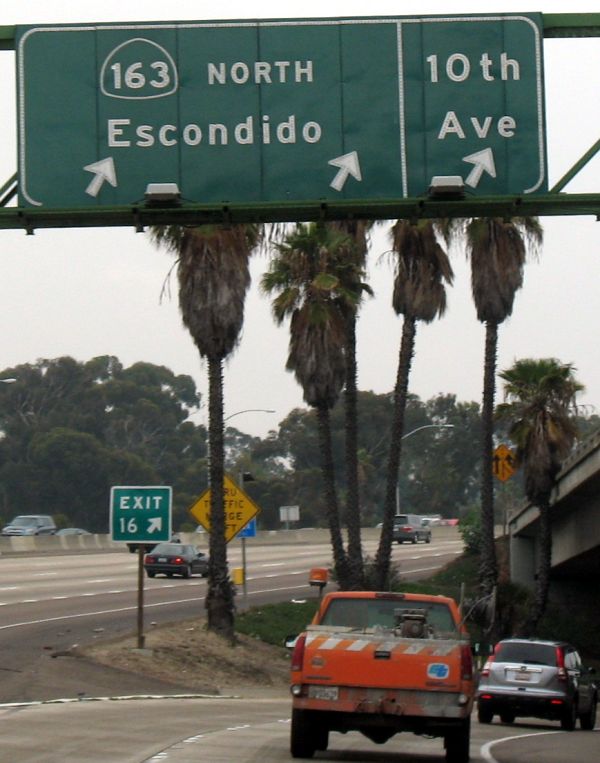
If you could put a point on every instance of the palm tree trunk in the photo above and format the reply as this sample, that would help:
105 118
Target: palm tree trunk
353 523
488 568
543 572
384 551
331 503
219 599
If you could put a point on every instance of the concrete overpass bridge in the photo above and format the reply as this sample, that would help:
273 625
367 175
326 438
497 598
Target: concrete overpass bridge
575 516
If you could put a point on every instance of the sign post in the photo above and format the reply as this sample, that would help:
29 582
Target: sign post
240 513
140 515
248 531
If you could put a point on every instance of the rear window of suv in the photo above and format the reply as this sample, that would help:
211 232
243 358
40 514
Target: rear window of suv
527 654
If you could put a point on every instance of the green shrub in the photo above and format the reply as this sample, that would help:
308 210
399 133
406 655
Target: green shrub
470 530
274 622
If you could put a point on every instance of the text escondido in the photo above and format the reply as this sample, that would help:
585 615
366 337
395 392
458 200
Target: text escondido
122 133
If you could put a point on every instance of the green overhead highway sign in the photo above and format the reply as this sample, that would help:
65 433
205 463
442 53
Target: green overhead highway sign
279 112
140 514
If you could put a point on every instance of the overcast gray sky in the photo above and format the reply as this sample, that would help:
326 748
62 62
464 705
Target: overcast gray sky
88 292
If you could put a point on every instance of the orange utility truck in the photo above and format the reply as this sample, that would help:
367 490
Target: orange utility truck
381 663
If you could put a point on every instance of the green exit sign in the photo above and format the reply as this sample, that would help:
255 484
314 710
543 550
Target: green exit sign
273 112
140 514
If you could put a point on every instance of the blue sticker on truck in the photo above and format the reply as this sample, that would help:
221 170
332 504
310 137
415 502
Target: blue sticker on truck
438 670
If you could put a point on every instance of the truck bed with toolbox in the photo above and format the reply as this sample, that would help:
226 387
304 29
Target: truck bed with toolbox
382 663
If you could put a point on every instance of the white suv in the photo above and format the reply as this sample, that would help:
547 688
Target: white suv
539 679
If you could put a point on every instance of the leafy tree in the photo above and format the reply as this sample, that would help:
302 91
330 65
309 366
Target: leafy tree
133 419
422 270
213 276
541 410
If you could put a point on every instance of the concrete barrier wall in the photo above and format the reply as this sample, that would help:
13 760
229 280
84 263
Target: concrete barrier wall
58 544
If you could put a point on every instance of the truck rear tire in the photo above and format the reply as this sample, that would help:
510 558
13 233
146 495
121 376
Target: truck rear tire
457 743
303 740
485 715
587 720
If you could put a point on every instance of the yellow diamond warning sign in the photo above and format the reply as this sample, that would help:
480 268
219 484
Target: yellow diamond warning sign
239 508
504 463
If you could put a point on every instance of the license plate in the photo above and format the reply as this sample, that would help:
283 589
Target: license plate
522 676
162 558
323 692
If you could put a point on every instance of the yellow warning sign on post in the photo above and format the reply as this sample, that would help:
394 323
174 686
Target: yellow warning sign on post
239 508
503 463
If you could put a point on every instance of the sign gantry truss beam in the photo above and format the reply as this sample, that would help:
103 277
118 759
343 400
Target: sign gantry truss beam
141 214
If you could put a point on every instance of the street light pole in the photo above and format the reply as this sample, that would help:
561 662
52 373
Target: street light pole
404 437
248 410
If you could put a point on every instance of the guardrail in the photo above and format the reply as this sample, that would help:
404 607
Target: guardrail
57 544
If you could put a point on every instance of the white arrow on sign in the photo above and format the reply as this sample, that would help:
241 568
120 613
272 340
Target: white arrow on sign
483 161
102 170
154 524
348 165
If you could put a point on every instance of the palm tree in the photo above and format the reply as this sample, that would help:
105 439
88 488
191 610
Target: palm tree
351 271
305 278
541 411
422 269
213 277
497 250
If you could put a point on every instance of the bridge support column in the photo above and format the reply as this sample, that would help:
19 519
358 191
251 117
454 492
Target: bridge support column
523 560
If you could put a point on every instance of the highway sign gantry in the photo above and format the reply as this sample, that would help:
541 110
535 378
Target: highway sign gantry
279 112
239 508
140 514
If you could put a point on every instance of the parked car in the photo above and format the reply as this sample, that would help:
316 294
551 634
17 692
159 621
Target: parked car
539 679
72 531
411 528
176 559
30 524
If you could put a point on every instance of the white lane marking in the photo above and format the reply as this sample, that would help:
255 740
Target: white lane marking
485 749
101 580
78 615
43 574
10 588
57 598
273 564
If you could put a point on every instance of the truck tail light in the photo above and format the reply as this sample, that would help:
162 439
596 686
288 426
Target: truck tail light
466 662
298 653
560 664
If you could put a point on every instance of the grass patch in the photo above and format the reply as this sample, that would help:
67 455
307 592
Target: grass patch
273 622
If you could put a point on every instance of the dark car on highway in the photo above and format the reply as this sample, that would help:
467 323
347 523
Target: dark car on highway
176 559
537 679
